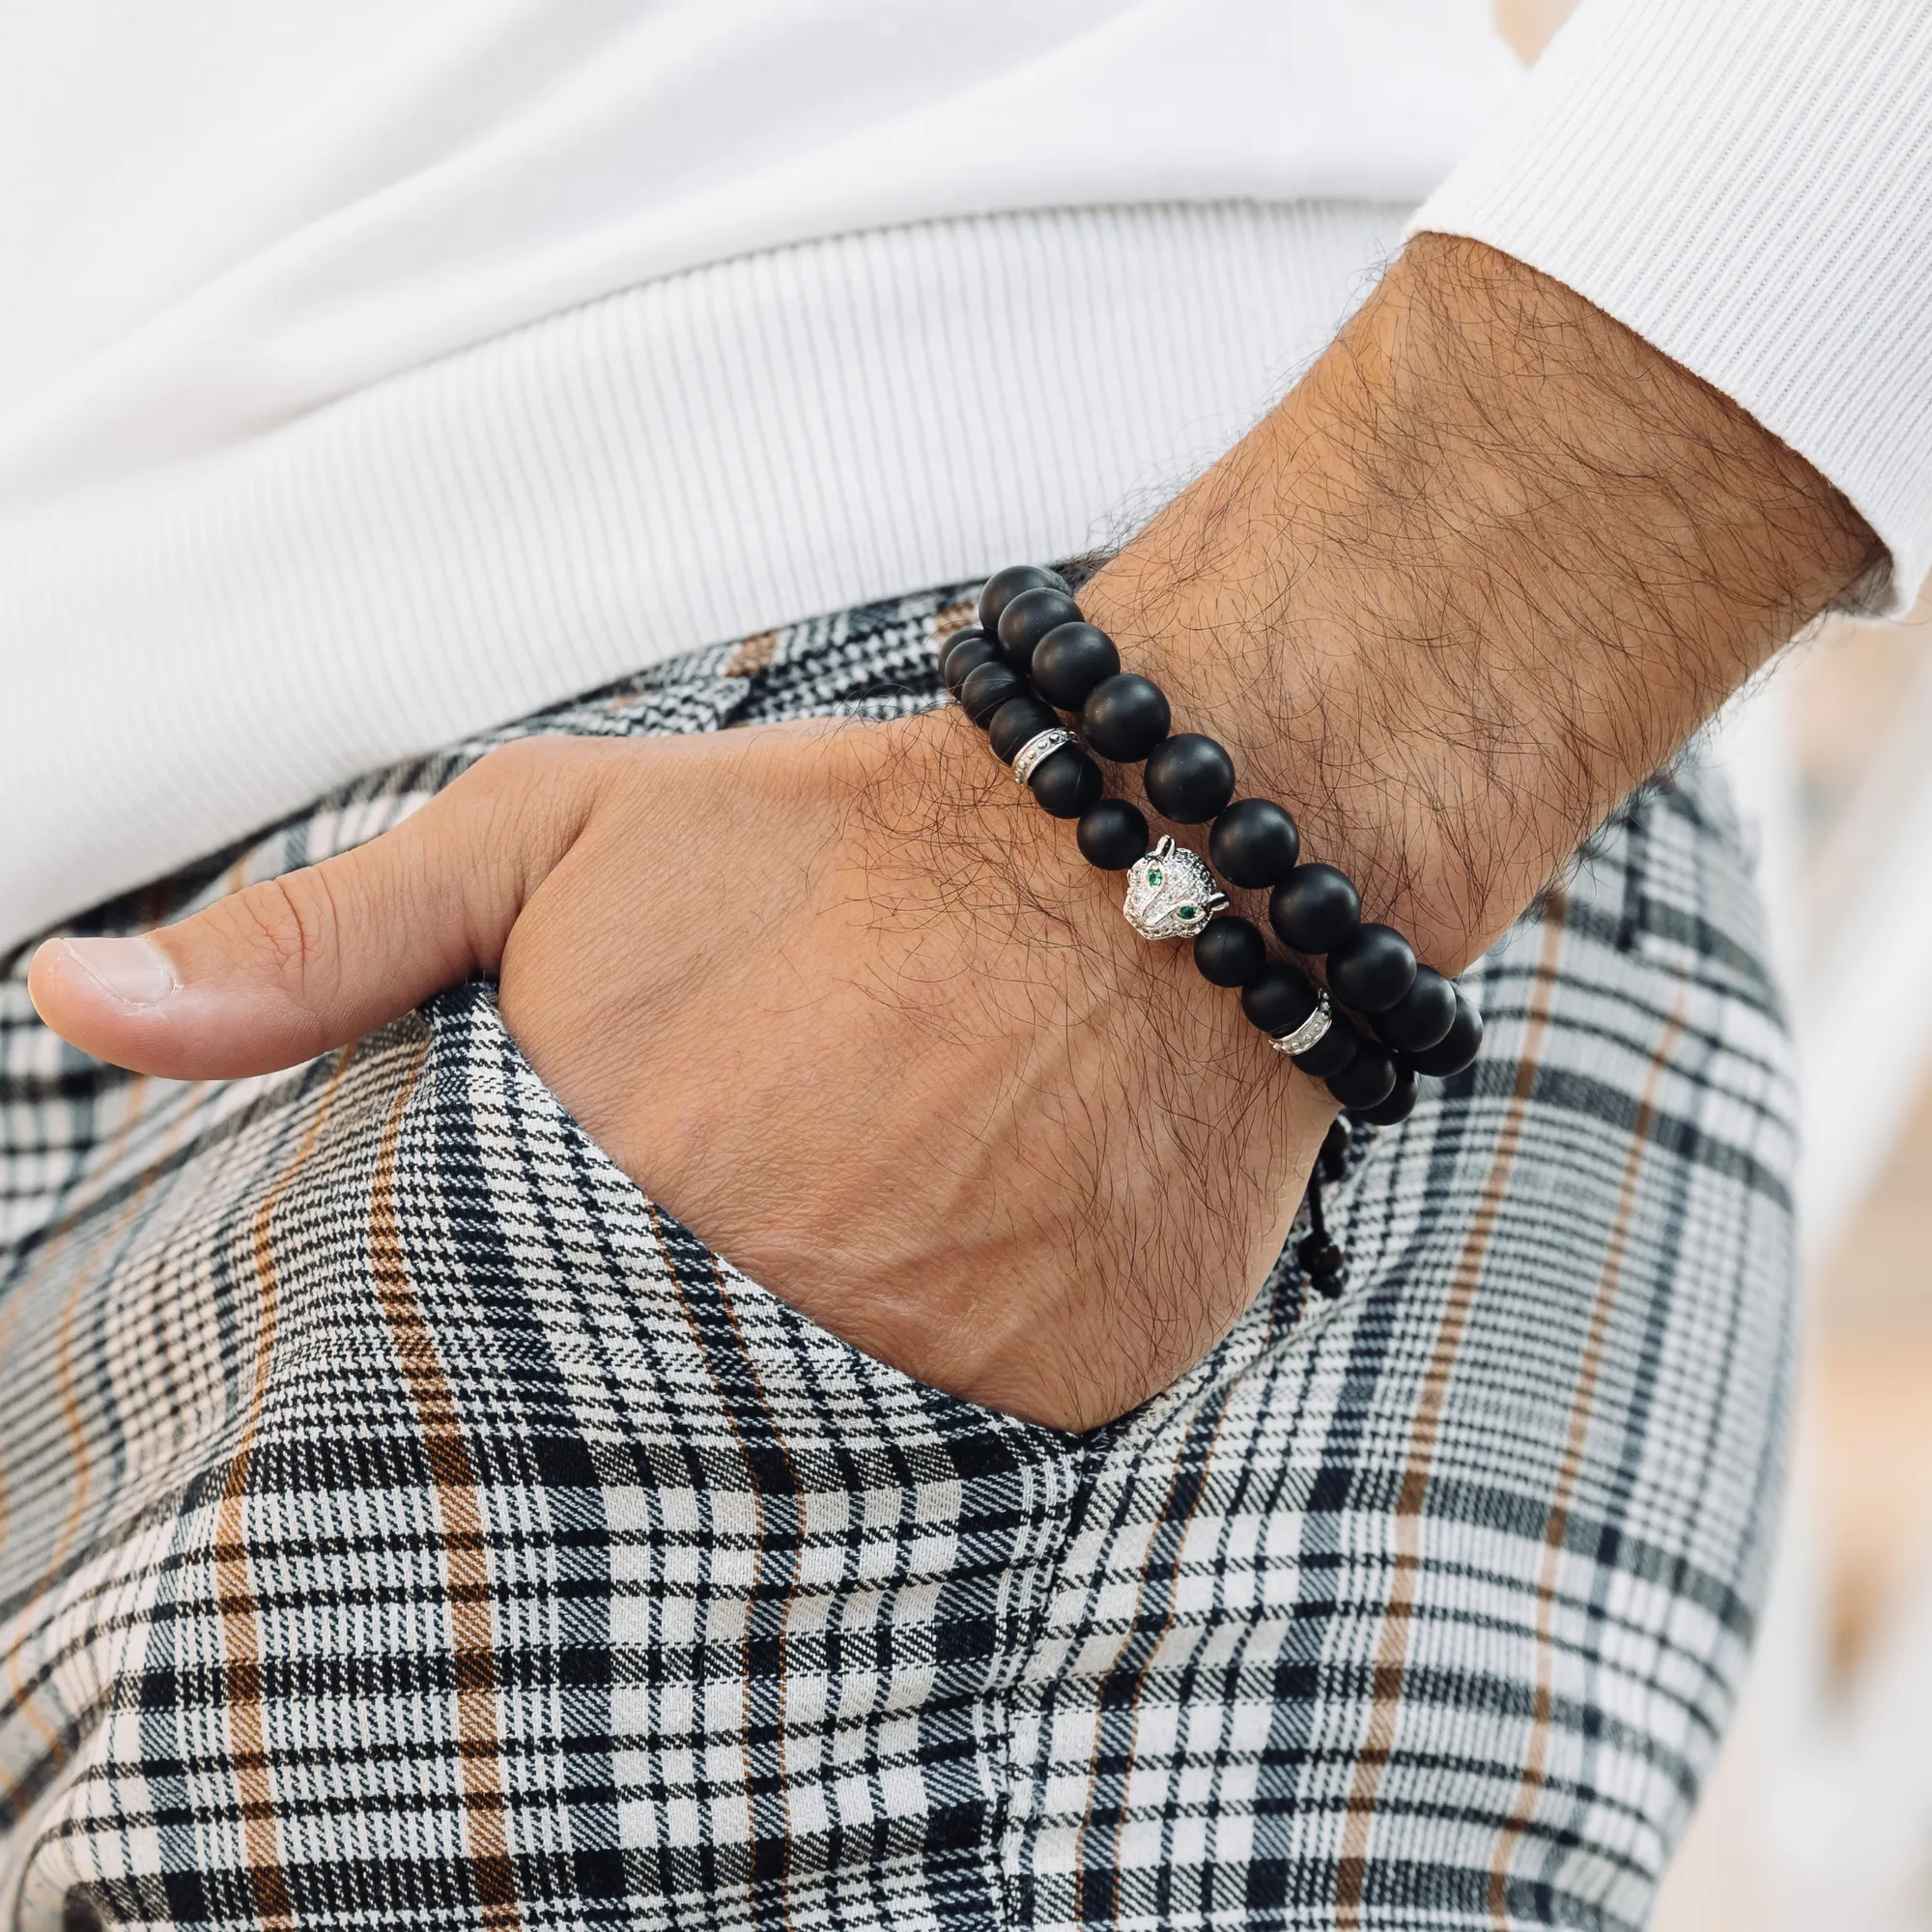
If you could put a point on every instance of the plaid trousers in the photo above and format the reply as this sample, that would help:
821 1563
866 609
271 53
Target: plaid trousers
405 1523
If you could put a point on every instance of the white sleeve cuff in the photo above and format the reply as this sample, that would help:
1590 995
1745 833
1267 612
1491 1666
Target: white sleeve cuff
1748 185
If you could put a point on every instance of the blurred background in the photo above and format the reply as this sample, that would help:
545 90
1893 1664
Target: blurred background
1821 1813
1820 1816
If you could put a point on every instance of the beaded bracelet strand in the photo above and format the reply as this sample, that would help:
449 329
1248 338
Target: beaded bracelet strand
1033 656
1032 643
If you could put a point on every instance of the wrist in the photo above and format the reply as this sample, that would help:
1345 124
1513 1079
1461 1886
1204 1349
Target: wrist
947 829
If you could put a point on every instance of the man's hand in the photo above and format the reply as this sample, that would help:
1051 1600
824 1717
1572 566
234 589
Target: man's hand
849 1005
840 996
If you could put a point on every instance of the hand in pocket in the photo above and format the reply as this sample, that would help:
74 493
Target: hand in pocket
839 996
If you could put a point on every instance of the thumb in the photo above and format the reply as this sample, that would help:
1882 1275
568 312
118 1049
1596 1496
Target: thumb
299 964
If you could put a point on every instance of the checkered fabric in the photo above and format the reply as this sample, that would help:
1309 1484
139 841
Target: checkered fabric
403 1523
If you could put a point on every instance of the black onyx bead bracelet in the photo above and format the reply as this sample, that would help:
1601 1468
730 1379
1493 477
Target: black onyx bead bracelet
1033 657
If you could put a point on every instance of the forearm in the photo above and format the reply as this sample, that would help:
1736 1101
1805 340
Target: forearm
1487 567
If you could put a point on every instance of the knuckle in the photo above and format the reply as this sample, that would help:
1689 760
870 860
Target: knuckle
294 921
532 791
507 765
528 763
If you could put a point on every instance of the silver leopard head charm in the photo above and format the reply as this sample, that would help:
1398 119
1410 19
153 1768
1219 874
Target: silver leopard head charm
1171 894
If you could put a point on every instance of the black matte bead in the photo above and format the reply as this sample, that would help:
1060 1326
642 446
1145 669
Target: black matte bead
985 688
1332 1052
1459 1046
1367 1079
1279 997
1254 844
1003 587
1111 835
964 637
1320 1256
1070 660
1397 1108
1189 778
1422 1016
1328 1286
1229 950
1068 782
967 653
1028 618
1015 723
1372 970
1124 717
1314 908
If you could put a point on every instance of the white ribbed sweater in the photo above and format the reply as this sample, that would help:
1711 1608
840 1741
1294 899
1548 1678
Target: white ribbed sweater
199 649
340 555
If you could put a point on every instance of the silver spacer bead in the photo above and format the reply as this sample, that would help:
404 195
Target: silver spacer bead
1312 1029
1036 751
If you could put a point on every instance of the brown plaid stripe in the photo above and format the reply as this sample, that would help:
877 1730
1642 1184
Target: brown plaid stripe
403 1523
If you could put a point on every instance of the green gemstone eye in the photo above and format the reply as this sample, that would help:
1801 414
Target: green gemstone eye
1187 912
1153 876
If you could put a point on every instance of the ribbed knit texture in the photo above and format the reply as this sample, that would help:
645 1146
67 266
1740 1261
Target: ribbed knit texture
688 460
1747 186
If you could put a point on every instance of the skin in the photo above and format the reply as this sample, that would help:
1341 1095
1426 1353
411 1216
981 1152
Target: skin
899 1057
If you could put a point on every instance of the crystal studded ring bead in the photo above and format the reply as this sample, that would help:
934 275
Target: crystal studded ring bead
1036 751
1313 1028
1171 894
